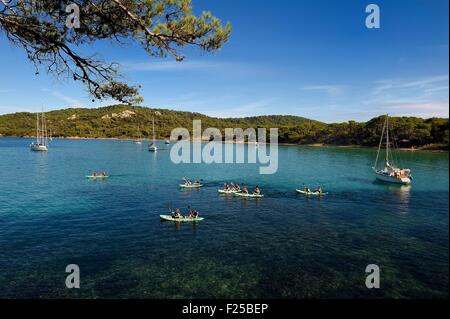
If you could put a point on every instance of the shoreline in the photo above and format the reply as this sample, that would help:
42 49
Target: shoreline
316 145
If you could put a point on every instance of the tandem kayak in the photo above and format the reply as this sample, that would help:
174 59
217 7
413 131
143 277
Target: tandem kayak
181 219
310 193
191 185
224 191
249 195
96 177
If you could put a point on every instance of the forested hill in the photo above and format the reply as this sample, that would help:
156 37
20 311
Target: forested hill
120 121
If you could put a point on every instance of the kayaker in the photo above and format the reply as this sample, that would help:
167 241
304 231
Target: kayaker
194 214
244 190
319 190
257 190
176 213
307 189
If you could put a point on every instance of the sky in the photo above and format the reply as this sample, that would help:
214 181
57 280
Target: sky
315 59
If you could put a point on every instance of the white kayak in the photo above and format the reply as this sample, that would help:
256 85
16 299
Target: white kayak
97 177
180 219
310 193
224 191
195 185
249 195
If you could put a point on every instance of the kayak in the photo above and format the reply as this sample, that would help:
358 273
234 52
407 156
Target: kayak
310 193
223 191
191 185
181 219
248 195
95 177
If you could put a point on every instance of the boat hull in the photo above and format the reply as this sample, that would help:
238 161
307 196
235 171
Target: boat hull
195 185
38 148
392 179
180 219
310 193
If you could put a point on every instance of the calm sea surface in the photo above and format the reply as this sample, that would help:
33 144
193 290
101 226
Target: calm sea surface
284 245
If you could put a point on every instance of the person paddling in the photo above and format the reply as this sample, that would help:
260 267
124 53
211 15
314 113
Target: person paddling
194 213
176 213
244 190
319 190
257 191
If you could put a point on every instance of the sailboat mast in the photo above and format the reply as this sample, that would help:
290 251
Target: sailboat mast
42 128
37 127
379 145
153 120
387 139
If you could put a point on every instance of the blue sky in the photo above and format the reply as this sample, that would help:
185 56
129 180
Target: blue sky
309 58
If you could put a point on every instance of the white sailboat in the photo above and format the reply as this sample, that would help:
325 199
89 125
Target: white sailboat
138 141
50 136
390 173
41 144
152 147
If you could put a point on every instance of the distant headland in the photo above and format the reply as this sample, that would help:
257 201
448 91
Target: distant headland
128 122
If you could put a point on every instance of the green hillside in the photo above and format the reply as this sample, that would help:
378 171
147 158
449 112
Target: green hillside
121 121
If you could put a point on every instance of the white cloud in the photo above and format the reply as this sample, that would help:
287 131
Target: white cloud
422 97
437 89
173 66
71 102
253 108
8 109
426 83
328 89
426 110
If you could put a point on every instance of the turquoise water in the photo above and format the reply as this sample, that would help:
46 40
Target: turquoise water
284 245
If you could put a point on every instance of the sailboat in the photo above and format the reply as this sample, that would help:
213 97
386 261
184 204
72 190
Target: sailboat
138 141
41 144
152 147
50 136
390 173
